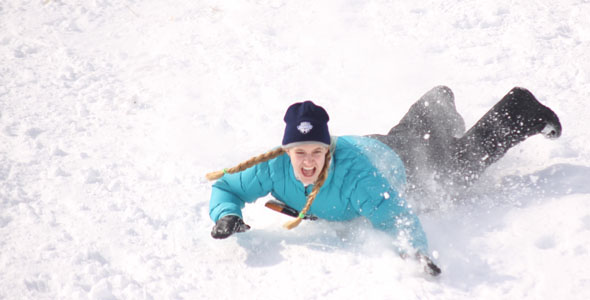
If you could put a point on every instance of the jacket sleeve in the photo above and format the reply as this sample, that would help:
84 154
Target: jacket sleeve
232 191
388 211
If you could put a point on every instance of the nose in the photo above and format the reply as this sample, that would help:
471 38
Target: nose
308 159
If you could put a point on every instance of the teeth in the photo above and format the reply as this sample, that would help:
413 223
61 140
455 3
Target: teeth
307 171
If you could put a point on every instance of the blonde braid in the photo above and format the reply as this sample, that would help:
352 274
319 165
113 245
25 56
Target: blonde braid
247 164
314 192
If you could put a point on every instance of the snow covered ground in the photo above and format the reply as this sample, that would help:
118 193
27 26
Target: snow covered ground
111 112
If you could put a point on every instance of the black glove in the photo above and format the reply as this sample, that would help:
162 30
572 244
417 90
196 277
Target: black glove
227 225
429 266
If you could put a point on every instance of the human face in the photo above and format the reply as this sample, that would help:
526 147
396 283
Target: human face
307 161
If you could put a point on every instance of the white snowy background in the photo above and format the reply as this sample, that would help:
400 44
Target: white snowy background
112 112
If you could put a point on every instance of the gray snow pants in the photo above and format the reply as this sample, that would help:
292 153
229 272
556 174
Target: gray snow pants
432 142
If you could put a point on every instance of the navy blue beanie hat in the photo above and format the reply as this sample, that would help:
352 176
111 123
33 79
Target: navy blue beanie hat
306 122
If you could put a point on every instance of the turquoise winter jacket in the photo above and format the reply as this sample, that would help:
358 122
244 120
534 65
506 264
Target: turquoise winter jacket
366 178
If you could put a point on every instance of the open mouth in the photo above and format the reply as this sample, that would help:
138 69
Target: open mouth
308 172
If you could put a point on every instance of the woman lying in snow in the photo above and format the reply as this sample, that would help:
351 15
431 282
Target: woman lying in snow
341 178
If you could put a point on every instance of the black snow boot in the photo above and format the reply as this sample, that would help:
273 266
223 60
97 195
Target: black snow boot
516 117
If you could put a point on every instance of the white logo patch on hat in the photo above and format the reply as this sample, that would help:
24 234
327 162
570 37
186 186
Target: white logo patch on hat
304 127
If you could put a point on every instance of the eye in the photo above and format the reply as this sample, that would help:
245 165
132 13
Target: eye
318 152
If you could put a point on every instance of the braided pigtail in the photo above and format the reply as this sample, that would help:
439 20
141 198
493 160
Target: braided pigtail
247 164
314 192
